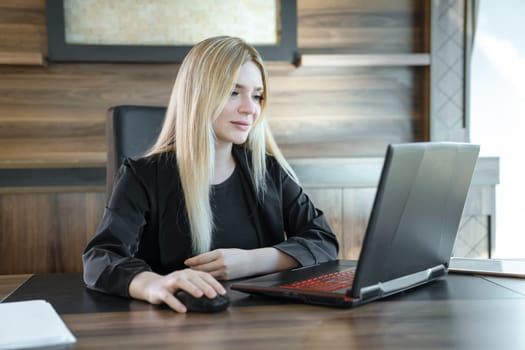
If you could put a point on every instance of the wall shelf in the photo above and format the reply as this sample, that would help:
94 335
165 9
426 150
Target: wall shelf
360 60
21 58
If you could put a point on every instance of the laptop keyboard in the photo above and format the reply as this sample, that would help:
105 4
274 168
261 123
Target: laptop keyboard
325 283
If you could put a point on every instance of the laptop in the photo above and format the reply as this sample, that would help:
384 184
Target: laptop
410 235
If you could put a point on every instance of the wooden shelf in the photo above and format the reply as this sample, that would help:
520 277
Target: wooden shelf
54 161
360 60
21 58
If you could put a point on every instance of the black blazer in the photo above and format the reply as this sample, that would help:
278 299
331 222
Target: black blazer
145 226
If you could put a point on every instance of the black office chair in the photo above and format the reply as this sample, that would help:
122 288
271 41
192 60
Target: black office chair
130 131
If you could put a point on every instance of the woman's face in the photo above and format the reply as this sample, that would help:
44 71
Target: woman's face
243 107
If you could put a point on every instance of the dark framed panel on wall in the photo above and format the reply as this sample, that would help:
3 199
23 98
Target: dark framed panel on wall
60 49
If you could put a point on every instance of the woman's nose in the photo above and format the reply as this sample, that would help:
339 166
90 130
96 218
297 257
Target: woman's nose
248 105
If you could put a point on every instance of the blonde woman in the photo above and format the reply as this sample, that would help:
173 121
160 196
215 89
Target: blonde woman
214 199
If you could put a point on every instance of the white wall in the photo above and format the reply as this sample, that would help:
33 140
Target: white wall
497 112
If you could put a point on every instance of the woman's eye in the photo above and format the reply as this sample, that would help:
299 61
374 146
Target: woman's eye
258 97
235 93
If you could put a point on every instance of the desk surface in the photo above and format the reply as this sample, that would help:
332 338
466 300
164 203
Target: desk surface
456 312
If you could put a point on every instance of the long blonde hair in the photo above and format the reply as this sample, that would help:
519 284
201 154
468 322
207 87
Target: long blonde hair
204 82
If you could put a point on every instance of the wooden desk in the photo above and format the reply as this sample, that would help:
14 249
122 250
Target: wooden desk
9 283
457 312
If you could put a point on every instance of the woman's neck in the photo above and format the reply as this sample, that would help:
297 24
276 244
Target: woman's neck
224 163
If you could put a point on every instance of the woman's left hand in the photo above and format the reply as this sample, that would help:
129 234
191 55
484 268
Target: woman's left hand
223 264
232 263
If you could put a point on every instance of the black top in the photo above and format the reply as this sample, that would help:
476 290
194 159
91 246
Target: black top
234 225
145 226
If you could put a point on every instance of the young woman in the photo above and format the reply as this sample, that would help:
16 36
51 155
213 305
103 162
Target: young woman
214 199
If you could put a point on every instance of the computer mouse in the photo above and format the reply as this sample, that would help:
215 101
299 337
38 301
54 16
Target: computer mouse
203 304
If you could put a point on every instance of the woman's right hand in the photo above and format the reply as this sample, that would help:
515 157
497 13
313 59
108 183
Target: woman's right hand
157 289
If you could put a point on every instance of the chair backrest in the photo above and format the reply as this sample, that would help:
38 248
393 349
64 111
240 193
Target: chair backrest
130 132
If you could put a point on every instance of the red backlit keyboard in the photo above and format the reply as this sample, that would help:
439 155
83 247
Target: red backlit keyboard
325 283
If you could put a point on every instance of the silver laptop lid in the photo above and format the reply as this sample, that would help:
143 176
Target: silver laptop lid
415 216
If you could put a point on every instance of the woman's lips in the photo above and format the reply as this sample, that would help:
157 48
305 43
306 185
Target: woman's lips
242 125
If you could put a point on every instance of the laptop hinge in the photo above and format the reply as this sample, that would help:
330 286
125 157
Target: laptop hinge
401 283
371 292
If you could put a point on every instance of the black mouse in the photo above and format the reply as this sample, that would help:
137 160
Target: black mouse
203 304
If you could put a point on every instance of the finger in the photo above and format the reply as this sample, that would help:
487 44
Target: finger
206 287
216 285
210 267
188 284
197 283
217 270
201 258
209 285
175 303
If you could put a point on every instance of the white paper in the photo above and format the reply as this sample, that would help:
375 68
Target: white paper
33 323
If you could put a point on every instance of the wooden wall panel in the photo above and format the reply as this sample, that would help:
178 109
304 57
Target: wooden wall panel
46 232
362 26
23 26
67 102
330 201
345 112
357 208
58 112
